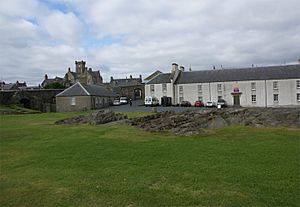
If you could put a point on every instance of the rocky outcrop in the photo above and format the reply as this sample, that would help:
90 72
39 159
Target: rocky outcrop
98 117
195 122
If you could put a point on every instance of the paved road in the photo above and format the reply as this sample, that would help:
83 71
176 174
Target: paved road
137 107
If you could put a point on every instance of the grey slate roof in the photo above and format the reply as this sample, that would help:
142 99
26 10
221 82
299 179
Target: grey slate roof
86 90
241 74
161 78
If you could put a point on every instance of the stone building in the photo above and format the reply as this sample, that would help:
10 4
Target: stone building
268 86
80 97
82 74
132 88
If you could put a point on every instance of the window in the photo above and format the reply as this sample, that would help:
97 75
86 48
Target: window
253 98
253 86
152 88
180 89
164 88
180 99
275 97
275 85
73 101
298 83
199 88
219 87
298 97
200 98
219 97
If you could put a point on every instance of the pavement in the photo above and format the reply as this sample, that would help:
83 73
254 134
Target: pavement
137 106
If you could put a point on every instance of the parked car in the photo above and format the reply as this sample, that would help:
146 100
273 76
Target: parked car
210 104
116 102
185 104
123 100
198 104
222 103
151 101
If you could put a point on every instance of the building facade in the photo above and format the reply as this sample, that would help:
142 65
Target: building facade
81 74
250 87
79 97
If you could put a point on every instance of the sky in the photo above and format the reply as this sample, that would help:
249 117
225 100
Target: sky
137 37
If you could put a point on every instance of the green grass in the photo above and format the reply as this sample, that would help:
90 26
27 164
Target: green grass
43 164
15 109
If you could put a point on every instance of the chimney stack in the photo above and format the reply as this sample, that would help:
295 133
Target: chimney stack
174 67
111 78
46 77
181 68
130 76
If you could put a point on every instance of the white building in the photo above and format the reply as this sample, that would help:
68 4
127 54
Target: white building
258 86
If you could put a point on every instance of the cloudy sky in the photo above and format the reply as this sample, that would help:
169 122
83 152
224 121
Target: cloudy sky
133 37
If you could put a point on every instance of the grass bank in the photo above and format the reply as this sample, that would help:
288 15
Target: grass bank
43 164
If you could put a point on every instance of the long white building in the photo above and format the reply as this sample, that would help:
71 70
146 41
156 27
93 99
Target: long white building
269 86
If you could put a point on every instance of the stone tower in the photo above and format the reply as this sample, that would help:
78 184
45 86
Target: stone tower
80 67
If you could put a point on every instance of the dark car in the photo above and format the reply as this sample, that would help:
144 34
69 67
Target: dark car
222 103
185 104
199 104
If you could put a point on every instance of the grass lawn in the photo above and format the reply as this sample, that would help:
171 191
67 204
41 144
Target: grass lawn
81 165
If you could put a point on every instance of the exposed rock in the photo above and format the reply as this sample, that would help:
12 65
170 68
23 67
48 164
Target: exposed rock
195 122
97 117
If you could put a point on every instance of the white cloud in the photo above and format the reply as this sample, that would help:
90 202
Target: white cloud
150 35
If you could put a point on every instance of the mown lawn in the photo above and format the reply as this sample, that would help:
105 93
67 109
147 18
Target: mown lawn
81 165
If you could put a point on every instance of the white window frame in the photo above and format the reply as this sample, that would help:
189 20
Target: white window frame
275 85
152 88
253 86
253 98
219 87
73 101
180 89
298 97
164 88
200 98
200 88
276 98
297 83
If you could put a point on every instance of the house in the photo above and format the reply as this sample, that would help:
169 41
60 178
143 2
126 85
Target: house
12 86
132 88
48 81
268 86
151 76
82 74
80 97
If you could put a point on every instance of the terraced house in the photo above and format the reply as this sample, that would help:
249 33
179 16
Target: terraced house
268 86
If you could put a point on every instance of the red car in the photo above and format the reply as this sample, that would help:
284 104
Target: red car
199 104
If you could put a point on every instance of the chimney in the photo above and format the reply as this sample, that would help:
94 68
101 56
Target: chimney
111 79
46 77
190 69
182 68
130 76
90 69
141 77
299 61
174 67
69 69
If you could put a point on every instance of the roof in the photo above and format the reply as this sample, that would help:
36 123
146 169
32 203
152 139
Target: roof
161 78
125 82
241 74
153 75
86 90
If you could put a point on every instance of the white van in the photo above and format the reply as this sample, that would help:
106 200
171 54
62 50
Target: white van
151 101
